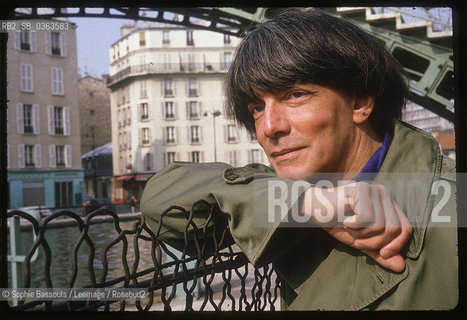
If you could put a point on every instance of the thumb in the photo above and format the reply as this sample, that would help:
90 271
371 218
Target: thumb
395 263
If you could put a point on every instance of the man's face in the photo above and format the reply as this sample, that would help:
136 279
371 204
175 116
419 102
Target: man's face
305 130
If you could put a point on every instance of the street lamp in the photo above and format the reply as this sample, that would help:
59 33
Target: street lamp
214 115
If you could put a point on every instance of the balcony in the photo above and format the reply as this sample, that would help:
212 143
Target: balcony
211 273
166 68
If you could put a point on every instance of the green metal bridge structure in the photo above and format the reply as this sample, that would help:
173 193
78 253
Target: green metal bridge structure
421 38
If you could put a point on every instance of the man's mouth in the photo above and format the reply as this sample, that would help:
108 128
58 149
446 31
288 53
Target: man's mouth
286 153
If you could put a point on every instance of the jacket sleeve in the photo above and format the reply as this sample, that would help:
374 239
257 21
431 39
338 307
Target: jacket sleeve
242 195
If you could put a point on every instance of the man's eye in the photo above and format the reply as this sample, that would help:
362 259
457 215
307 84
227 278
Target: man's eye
297 94
256 109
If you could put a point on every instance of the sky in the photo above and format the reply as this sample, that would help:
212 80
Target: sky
94 37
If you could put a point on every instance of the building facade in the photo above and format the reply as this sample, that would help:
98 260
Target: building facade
98 173
167 103
94 112
44 165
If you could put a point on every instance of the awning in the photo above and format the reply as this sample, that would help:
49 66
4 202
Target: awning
124 178
143 177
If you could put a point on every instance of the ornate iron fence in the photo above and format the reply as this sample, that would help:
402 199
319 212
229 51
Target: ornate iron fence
217 277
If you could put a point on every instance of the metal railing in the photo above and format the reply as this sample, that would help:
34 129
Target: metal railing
216 277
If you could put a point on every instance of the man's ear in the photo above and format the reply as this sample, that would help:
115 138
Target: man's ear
363 108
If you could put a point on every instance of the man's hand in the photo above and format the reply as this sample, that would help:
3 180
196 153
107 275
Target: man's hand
376 226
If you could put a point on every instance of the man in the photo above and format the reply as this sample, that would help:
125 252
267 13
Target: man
322 96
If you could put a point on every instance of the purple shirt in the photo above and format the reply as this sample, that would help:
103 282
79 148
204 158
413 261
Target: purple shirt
376 161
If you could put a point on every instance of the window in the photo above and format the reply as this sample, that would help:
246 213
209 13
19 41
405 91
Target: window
226 58
55 36
128 116
195 156
193 110
57 80
195 136
165 37
59 120
27 110
253 156
226 38
26 82
142 39
128 138
170 135
191 62
25 44
189 38
25 40
29 156
28 118
167 64
145 139
143 91
168 87
233 158
170 157
169 110
63 194
60 156
252 137
144 111
148 162
231 133
192 87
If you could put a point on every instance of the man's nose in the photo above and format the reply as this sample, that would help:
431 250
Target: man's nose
275 120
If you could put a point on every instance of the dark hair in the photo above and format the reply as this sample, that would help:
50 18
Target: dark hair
297 47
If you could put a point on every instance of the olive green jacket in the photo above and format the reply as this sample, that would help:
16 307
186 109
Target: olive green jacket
318 272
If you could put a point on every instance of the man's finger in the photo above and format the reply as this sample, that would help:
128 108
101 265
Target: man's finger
395 263
398 243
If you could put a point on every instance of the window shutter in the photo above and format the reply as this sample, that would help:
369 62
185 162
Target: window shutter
50 113
52 156
38 155
68 156
48 42
175 109
21 155
23 76
187 88
200 109
29 82
63 44
36 117
16 40
187 108
200 133
164 135
66 120
54 80
188 134
60 84
33 39
177 134
20 119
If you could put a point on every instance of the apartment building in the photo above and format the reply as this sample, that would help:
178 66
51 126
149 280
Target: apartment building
167 103
44 165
